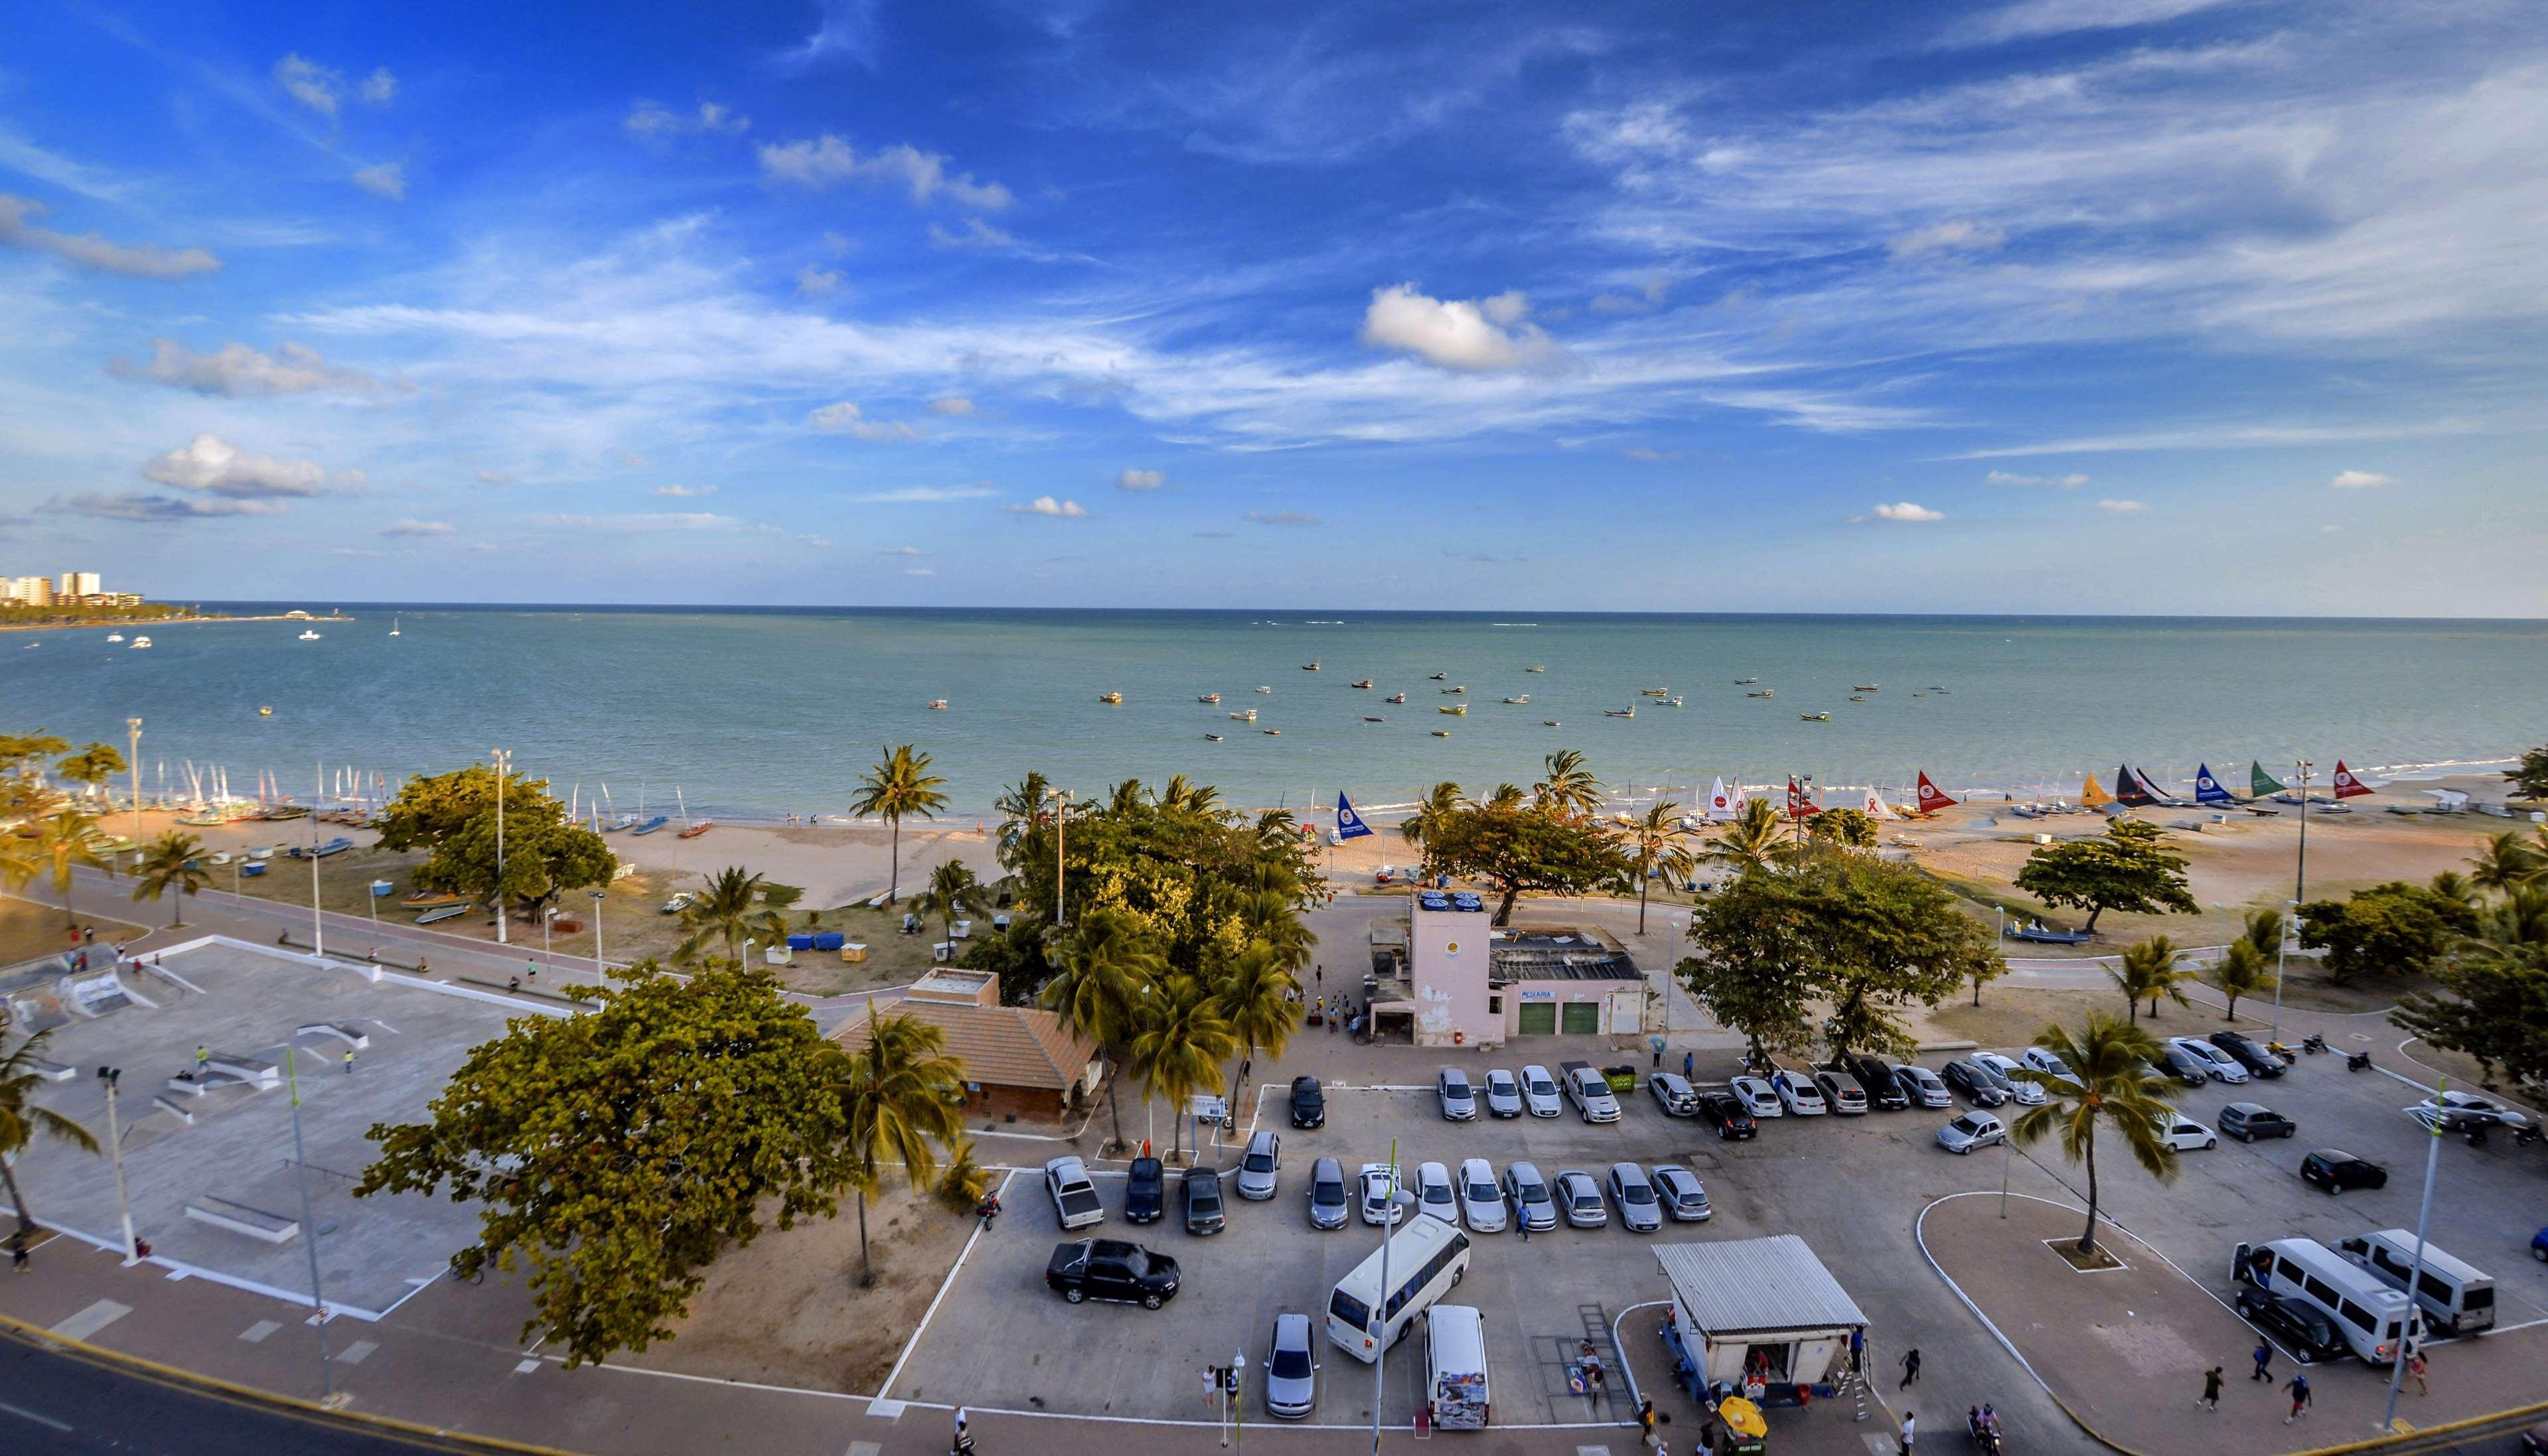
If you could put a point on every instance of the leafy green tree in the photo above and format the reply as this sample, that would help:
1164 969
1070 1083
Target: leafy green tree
952 891
2505 863
2243 971
1254 998
2265 931
1658 844
1844 826
899 786
1438 804
2391 929
19 751
63 842
2491 1003
2149 972
171 862
2130 868
2450 884
91 766
2112 1088
903 1101
453 817
1107 966
618 1152
1521 849
1180 1039
735 903
1753 839
2529 779
962 1183
1015 957
21 1121
1569 787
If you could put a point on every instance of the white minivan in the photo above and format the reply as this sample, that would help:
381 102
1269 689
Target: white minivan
1455 1386
2368 1315
2451 1293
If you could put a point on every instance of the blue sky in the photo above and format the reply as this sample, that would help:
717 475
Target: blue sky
2054 306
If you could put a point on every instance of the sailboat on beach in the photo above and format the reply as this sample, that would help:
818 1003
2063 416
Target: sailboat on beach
688 829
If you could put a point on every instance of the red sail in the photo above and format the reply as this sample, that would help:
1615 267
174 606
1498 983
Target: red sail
2346 786
1930 800
1798 807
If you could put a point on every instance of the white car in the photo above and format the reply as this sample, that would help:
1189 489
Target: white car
2466 1112
2219 1064
2045 1061
1481 1203
1580 1198
1433 1192
1527 1192
1379 1183
1674 1094
1539 1092
1799 1095
1684 1195
2185 1134
1502 1094
1756 1097
1075 1196
1459 1103
1971 1131
2020 1091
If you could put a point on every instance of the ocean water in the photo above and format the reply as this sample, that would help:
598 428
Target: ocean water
758 713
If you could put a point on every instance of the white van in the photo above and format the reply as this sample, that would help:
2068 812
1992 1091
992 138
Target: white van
2452 1295
1425 1258
2367 1313
1455 1385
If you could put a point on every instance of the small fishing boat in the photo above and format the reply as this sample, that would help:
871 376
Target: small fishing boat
336 845
265 712
137 643
432 900
114 636
1245 715
1109 697
1365 682
1863 687
690 830
1368 718
1763 692
651 825
680 903
1461 688
1522 698
2038 933
1853 698
1271 732
1618 713
1441 733
1655 692
1308 667
1212 697
1534 668
1815 717
1439 677
1745 682
1672 702
308 635
447 912
1550 723
1396 698
283 811
938 704
1268 691
1457 709
394 625
1212 738
696 830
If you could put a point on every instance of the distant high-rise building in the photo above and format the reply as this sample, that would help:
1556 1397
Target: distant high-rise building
79 584
32 590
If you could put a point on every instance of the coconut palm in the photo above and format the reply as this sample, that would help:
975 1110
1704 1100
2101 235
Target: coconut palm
902 1099
20 1121
2450 884
1569 787
2110 1086
1107 967
1179 1042
61 846
168 864
19 751
898 787
1658 844
2242 972
963 1181
1255 995
1193 798
2265 928
1752 840
735 902
1020 809
953 890
1126 797
91 766
2149 972
2506 861
1271 920
1438 804
2518 919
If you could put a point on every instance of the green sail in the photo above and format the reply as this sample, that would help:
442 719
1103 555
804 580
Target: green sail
2260 783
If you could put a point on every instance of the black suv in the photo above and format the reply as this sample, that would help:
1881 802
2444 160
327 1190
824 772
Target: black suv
2249 1054
1883 1093
1308 1104
1112 1269
1203 1200
1960 1075
1145 1191
1726 1112
2298 1327
2177 1063
2334 1171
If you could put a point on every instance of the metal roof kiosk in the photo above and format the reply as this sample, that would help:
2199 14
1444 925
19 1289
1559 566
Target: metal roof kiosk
1763 1302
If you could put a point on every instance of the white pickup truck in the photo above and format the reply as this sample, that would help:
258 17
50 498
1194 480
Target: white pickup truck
1590 1092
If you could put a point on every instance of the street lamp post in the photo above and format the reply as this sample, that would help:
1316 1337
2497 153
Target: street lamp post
504 767
317 922
110 1075
1398 1198
133 763
2281 957
597 961
1060 811
308 1228
2416 1272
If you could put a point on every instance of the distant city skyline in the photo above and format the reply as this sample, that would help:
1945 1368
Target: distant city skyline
2077 307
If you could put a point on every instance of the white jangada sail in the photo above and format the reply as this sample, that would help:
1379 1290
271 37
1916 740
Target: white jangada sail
1720 805
1875 807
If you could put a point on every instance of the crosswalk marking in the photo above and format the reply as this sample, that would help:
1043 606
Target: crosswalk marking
90 1321
255 1334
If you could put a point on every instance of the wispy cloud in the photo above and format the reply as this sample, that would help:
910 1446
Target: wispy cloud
89 250
313 85
924 494
237 371
952 405
827 162
412 527
1141 480
652 121
2358 480
388 179
900 551
2123 507
2011 478
1906 511
684 492
1048 505
2063 17
847 418
146 507
1280 518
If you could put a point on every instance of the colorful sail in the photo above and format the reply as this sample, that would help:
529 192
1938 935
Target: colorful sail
1720 805
1798 806
2129 790
1931 799
2093 796
2208 789
2260 783
2346 786
1875 807
2157 793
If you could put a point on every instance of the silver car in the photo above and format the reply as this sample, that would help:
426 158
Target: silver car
1502 1094
1581 1197
2023 1091
1639 1210
1921 1085
1481 1203
1539 1092
1971 1131
1672 1091
1433 1192
1327 1198
1527 1192
1459 1103
1683 1195
1258 1166
1291 1370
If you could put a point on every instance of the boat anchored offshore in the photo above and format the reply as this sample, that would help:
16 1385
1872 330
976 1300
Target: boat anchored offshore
1365 682
1655 692
1396 698
138 643
1308 667
114 636
1461 688
1763 692
1550 723
1212 697
938 704
1745 682
1534 668
1268 691
1672 702
1109 697
1525 697
1618 713
1863 687
1245 715
1815 717
308 635
1441 732
1457 709
1368 718
1212 738
265 712
394 625
1437 676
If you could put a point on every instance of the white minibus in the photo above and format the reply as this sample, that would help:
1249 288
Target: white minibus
1425 1258
2366 1312
2452 1295
1455 1356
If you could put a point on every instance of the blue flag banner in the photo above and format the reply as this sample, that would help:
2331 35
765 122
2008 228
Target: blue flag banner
1349 824
2208 789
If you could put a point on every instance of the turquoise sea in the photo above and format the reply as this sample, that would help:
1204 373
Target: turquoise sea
762 713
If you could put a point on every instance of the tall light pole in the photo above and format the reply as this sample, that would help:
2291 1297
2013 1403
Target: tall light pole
2282 956
598 964
317 923
308 1228
110 1075
1060 811
2415 1271
133 763
504 767
2300 873
1380 1308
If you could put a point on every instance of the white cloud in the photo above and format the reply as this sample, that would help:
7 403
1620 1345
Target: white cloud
389 179
953 404
412 527
487 477
380 88
89 250
845 419
847 31
924 494
1214 535
1483 336
2063 17
352 551
684 492
1141 480
2358 480
651 119
1958 235
1046 506
829 161
2011 478
1648 455
1280 518
816 283
1906 511
2124 507
900 551
211 464
977 235
918 571
141 506
240 372
313 85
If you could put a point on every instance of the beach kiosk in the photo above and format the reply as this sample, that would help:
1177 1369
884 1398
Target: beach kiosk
1760 1320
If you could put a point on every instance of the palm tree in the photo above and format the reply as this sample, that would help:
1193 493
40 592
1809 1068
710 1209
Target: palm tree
91 766
2264 931
20 1120
2504 861
734 903
902 1100
899 786
1126 798
63 840
1569 787
170 863
1106 968
1505 796
2450 884
2149 972
963 1181
952 889
2111 1085
1020 809
1659 843
2518 919
1178 1045
1752 840
1437 805
1271 920
1193 798
2242 972
1255 994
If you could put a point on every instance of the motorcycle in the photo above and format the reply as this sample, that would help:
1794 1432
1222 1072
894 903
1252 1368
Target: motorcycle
2357 1061
1984 1436
987 1211
2313 1044
2281 1050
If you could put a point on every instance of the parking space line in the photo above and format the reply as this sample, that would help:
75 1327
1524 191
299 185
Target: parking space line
257 1333
23 1413
355 1353
90 1321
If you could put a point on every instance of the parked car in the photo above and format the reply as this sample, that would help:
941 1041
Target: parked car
1451 1089
1309 1103
1581 1197
1111 1269
1921 1086
1380 1184
2185 1134
2041 1059
2023 1091
2249 1054
1204 1212
1972 1129
1502 1094
1433 1192
1539 1092
1674 1094
1876 1080
1758 1097
2534 1441
1533 1207
1481 1203
2333 1170
1840 1093
1974 1082
1726 1112
2218 1064
2466 1112
2297 1326
1683 1195
1640 1211
1260 1164
1591 1092
1797 1094
2173 1061
2249 1120
1145 1191
1290 1369
1328 1199
1075 1196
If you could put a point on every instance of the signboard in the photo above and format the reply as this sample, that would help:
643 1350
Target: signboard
1538 995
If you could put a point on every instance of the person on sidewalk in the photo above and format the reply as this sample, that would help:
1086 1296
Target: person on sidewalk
2416 1368
349 1061
1646 1414
19 1261
1910 1426
203 1060
2263 1355
2299 1396
1910 1369
1689 1065
2211 1397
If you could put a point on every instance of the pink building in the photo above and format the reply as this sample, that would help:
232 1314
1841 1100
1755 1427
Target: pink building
1472 984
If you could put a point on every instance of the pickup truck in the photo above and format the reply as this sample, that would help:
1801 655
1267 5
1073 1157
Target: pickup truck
1111 1269
1075 1196
1590 1091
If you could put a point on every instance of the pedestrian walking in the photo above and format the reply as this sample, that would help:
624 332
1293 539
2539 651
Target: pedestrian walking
19 1261
349 1061
2211 1397
1689 1065
2300 1391
2416 1368
962 1444
1646 1414
88 934
1521 1221
1910 1428
203 1061
2263 1355
1910 1369
533 976
1247 1067
1323 976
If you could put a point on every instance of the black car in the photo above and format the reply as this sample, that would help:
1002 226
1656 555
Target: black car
2177 1063
2297 1326
1726 1112
1203 1200
1145 1191
1308 1104
2334 1171
1961 1075
2249 1053
1111 1269
1884 1092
